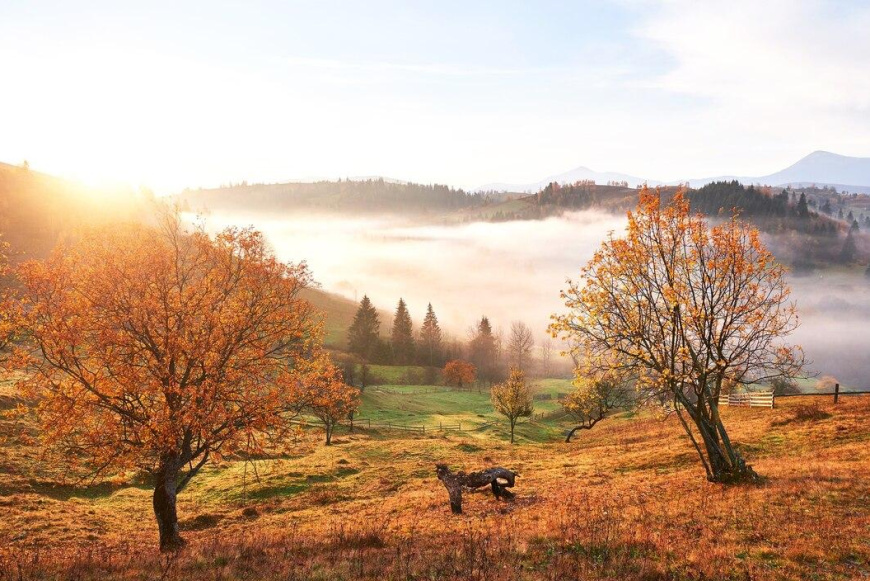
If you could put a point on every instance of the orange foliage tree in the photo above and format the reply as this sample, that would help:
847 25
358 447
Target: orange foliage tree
7 305
458 372
684 308
158 349
331 400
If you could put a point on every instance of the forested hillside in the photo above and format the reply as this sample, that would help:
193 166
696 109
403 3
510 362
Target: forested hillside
376 195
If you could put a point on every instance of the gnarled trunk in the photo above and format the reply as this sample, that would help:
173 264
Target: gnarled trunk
165 492
721 461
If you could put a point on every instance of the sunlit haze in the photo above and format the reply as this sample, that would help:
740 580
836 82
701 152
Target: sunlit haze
174 95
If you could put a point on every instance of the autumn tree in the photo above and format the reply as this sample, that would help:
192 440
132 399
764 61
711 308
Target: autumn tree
158 349
547 357
331 400
457 372
594 399
402 335
8 309
430 338
364 332
685 308
520 345
513 398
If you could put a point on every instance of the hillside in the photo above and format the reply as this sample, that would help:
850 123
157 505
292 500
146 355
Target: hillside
339 313
627 500
341 196
37 210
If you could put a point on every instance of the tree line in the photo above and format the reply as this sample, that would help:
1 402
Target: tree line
492 353
370 195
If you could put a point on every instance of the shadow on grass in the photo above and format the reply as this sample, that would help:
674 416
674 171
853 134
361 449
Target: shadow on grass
89 492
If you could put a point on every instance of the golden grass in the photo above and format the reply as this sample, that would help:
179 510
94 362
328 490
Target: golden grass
627 500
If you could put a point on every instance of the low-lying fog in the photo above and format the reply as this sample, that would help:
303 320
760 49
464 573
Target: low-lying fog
514 271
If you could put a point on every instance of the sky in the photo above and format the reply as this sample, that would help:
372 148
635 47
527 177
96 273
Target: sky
186 94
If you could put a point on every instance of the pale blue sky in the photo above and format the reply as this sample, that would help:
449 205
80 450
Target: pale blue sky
187 94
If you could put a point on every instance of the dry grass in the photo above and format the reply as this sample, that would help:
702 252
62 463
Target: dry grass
627 500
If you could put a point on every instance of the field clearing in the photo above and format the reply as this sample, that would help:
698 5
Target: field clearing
434 405
627 499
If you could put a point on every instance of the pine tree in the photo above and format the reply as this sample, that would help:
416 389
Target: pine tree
363 332
483 351
802 210
430 338
402 337
850 250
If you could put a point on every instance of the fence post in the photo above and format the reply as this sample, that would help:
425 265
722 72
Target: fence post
836 392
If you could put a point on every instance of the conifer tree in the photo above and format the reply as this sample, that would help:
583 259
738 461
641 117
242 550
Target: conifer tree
483 350
850 250
363 332
430 338
802 210
402 337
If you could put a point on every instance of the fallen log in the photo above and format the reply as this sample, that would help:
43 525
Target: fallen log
500 479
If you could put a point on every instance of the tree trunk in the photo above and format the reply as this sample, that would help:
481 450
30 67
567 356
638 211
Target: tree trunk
165 483
513 423
329 428
725 463
571 434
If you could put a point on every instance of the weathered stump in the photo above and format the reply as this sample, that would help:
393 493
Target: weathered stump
500 479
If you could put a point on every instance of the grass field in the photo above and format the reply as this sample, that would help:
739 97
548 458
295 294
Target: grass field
434 405
627 500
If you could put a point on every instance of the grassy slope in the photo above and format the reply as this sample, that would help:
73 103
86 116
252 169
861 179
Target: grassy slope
627 500
339 312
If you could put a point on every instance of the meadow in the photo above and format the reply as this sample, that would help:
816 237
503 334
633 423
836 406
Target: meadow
626 500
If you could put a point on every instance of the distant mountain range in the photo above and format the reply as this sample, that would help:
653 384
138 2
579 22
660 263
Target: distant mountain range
821 168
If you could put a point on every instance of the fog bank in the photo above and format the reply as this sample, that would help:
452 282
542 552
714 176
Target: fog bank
514 271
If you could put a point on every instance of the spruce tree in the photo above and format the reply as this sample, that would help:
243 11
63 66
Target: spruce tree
850 250
430 339
483 351
363 332
802 210
402 337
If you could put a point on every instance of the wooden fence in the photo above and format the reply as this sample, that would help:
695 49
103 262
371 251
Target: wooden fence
767 399
367 423
754 399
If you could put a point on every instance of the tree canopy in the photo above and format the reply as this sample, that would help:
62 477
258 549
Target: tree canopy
513 398
687 309
157 349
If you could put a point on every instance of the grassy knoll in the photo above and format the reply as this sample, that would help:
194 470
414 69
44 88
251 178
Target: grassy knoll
627 500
